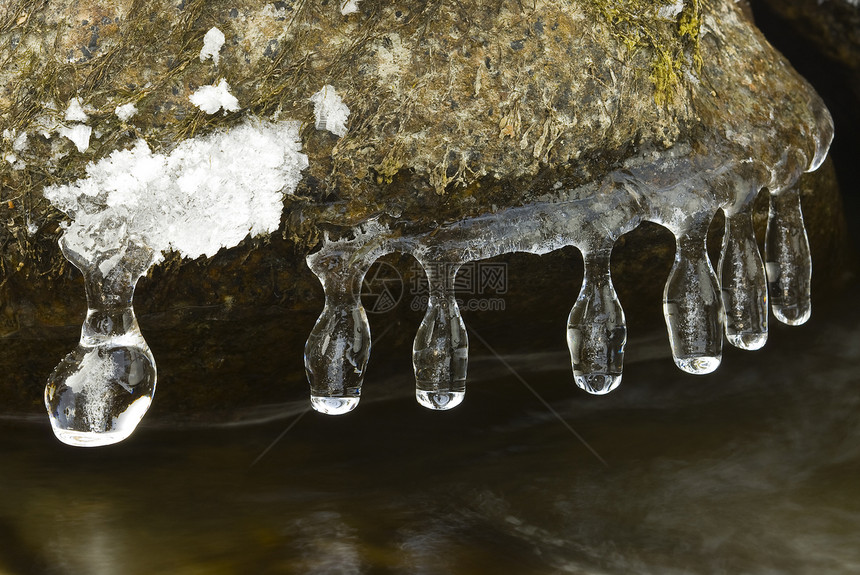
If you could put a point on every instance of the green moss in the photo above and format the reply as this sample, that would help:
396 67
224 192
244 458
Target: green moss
670 45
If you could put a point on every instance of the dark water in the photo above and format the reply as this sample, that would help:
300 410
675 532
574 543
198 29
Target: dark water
754 469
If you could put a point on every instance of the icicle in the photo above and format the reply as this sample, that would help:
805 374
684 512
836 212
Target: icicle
99 393
440 354
823 134
678 192
338 347
742 277
692 305
596 329
789 265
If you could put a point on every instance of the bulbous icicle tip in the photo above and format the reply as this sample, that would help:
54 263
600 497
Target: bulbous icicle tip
698 365
748 341
794 315
439 400
597 383
333 405
76 438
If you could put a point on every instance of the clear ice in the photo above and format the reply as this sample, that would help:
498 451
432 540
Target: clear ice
99 392
209 192
440 354
596 330
678 190
742 272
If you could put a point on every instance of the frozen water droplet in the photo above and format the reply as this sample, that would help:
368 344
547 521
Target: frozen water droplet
789 265
338 347
439 400
744 289
100 392
692 305
334 405
596 328
440 352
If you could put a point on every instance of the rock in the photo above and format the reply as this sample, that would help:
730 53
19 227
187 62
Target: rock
457 110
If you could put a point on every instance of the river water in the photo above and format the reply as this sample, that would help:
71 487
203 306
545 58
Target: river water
754 469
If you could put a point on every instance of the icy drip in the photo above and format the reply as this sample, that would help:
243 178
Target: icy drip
338 348
440 353
681 193
789 265
208 193
596 329
692 306
99 392
742 277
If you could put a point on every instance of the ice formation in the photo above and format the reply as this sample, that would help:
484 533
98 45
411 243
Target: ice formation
678 190
212 43
211 99
329 110
126 112
209 192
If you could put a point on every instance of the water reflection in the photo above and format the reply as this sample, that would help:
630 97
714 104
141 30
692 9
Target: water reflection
753 469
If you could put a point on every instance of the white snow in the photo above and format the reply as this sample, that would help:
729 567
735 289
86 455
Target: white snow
19 141
74 112
349 6
212 42
209 192
19 144
126 112
79 134
671 11
210 99
330 111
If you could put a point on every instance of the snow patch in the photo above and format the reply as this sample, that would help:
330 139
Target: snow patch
212 42
349 7
74 112
330 111
19 144
79 134
210 99
209 192
126 112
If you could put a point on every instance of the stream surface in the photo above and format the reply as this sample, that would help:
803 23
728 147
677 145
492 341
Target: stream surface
753 469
